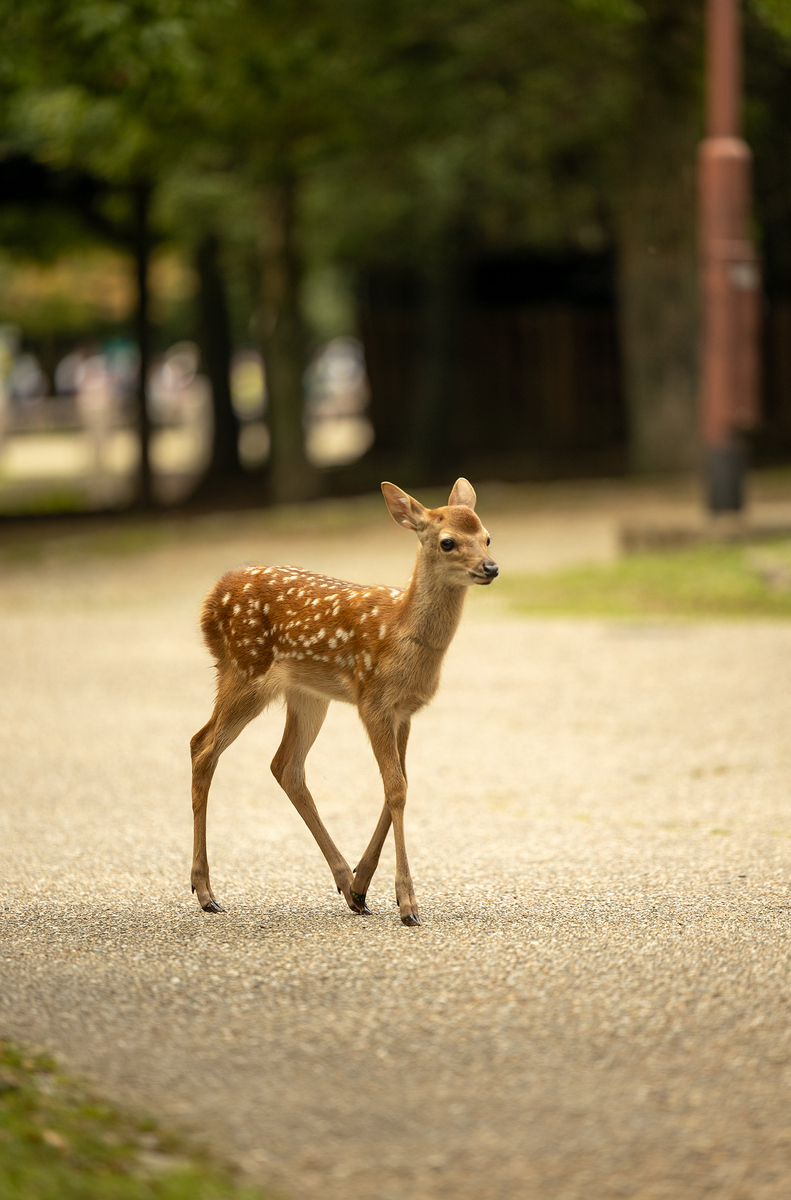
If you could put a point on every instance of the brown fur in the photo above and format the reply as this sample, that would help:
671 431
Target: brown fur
287 632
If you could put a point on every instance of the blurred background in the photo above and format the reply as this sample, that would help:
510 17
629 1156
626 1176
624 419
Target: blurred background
253 253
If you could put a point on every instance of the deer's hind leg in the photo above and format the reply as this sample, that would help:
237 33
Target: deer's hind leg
304 718
237 704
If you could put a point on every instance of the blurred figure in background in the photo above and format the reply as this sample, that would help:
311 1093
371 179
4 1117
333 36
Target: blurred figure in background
337 430
172 387
9 338
180 405
95 396
28 382
248 395
66 373
123 361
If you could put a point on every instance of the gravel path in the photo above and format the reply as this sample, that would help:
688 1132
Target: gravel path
599 828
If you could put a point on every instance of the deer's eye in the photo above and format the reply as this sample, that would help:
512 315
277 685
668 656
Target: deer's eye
447 543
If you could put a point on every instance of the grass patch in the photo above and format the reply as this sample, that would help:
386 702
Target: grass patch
59 1143
102 535
718 580
52 502
100 540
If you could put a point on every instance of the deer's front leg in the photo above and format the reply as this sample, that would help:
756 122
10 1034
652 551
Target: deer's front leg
364 871
384 739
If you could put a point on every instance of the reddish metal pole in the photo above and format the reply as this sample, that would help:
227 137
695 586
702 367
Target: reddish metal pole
730 275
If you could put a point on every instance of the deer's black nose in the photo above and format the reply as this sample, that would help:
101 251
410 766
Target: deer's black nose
490 569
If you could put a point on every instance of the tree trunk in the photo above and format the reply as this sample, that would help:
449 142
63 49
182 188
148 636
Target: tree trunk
141 203
655 231
291 476
658 299
214 338
434 433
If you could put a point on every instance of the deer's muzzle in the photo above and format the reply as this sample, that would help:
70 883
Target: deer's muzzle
486 572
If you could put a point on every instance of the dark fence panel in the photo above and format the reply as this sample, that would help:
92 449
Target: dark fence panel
544 378
775 433
536 380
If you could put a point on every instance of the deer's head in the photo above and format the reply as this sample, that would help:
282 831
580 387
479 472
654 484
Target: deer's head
452 539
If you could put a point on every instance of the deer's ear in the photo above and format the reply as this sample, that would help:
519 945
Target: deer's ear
404 509
463 493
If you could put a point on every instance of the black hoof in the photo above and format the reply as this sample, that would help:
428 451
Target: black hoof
212 906
410 919
359 903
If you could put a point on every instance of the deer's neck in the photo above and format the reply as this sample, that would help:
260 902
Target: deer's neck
432 610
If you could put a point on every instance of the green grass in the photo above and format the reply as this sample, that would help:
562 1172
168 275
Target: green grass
707 581
59 1143
101 536
30 546
52 502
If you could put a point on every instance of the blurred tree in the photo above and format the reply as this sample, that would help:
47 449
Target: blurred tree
103 87
135 91
378 131
542 124
654 206
768 129
214 337
280 97
654 218
485 128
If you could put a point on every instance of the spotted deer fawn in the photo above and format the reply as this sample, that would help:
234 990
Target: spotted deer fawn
285 632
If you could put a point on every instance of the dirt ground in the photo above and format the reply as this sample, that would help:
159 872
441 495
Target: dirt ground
599 825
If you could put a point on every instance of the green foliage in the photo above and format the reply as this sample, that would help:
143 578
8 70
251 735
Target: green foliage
58 1143
707 581
776 14
41 234
489 120
98 83
504 121
399 118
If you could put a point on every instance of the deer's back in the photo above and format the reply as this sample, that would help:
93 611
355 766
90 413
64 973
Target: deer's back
325 635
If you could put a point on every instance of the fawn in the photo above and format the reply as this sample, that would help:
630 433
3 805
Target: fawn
285 632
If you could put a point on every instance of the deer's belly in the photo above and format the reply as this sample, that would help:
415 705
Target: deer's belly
318 680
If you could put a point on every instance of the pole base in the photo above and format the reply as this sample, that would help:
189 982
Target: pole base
725 470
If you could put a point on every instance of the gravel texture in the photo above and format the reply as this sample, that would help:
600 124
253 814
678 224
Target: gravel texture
597 1002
